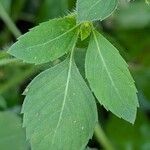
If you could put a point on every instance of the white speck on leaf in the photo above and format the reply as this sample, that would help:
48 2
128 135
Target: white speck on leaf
74 121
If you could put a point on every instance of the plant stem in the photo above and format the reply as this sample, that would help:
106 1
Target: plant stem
102 139
5 17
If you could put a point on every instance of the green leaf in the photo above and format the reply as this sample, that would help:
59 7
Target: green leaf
12 135
46 42
91 10
59 109
110 78
2 102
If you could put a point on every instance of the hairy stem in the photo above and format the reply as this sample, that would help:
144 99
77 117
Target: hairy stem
10 24
102 139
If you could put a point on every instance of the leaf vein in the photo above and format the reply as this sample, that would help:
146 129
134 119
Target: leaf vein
49 41
104 63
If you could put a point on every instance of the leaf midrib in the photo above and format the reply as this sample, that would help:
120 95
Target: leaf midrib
87 14
94 5
49 41
105 66
65 94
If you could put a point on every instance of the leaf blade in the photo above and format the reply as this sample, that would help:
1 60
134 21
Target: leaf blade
59 120
110 79
46 42
91 10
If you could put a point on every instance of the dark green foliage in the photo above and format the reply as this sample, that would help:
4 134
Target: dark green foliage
78 68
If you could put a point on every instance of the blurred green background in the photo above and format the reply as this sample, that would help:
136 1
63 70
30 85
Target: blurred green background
128 29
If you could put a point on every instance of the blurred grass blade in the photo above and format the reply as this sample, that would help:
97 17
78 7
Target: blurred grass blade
9 22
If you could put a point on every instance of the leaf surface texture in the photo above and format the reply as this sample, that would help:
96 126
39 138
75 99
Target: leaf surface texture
59 109
46 42
91 10
110 78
